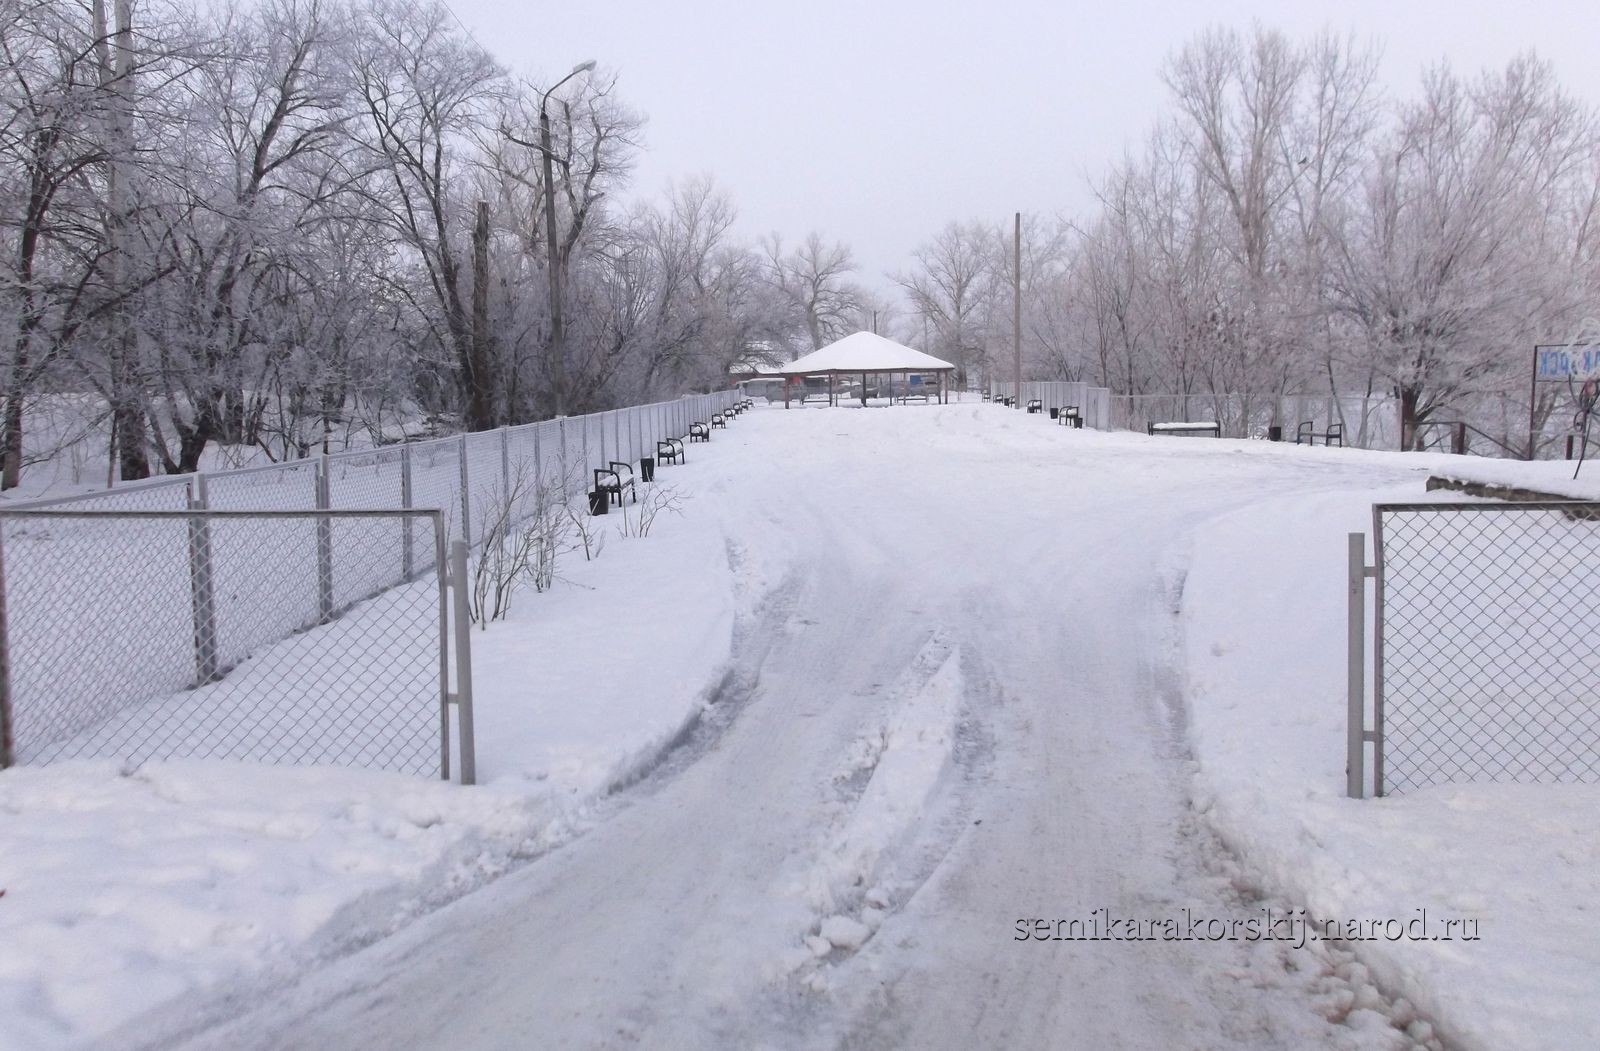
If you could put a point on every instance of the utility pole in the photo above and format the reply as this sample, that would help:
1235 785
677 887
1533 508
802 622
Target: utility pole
1016 311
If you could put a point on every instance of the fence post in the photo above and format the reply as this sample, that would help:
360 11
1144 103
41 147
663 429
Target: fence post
407 558
538 458
202 589
8 754
505 464
463 694
1375 571
1356 671
466 496
561 440
324 542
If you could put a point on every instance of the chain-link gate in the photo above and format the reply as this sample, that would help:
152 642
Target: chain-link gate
205 615
147 635
1484 666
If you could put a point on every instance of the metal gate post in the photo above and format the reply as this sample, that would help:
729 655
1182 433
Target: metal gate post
463 695
202 590
407 524
1376 572
1356 670
324 543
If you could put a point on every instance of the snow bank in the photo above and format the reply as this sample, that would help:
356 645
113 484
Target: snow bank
1545 476
125 890
1264 618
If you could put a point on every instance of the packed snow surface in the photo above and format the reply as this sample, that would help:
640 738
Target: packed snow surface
843 757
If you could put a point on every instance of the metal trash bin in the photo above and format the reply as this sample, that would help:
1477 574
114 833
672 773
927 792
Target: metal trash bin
647 468
599 501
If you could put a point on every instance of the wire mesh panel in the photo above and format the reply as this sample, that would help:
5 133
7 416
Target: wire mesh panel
371 478
78 646
288 486
485 479
1485 661
117 645
593 441
436 483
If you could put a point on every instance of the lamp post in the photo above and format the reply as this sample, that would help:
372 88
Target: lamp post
558 330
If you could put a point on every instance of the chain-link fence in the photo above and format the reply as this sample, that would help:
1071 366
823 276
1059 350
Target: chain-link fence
221 634
1093 403
1484 663
247 613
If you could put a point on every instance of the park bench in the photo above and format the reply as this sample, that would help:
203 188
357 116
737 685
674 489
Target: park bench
699 432
719 420
985 394
615 480
1035 405
670 450
1211 427
1068 416
1307 434
921 395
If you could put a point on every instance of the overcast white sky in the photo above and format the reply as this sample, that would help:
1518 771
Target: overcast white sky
878 121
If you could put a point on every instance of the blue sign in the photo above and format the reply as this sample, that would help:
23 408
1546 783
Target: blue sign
1569 362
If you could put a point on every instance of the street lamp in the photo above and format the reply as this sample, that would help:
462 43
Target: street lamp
558 329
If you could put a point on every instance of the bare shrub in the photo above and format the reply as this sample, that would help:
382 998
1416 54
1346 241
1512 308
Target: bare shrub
656 499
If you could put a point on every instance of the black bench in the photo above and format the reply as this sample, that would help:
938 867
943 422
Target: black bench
1068 416
985 394
669 450
1307 434
699 432
615 480
1035 405
1211 427
719 420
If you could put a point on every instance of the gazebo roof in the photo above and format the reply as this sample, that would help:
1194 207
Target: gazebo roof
864 352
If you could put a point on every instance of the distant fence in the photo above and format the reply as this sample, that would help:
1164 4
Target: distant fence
1484 664
136 616
1094 403
1498 422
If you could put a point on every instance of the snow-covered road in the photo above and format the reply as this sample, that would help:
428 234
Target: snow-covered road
959 709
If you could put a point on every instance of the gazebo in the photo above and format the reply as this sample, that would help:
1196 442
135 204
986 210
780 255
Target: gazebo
868 354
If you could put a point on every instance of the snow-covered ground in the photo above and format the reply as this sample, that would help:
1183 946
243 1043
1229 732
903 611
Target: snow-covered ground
935 675
1264 631
127 889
